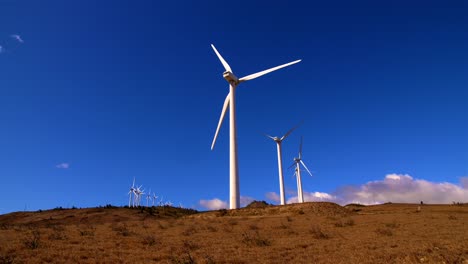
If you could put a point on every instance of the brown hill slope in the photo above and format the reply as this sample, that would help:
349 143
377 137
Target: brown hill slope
298 233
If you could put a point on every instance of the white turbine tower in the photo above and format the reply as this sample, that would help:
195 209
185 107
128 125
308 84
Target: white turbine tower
132 191
148 198
230 100
278 141
297 162
154 198
139 193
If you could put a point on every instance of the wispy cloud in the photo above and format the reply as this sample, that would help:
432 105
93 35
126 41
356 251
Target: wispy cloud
213 204
1 49
397 188
272 196
17 37
62 166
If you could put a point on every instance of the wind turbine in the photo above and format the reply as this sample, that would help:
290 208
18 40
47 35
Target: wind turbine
297 162
154 198
278 141
148 197
132 191
230 100
139 193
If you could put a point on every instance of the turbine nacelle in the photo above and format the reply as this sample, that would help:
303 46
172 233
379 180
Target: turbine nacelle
277 139
231 78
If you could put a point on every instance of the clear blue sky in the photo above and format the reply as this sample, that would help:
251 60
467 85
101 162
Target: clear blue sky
123 89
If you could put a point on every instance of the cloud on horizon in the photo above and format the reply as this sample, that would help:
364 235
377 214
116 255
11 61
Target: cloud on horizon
397 188
63 166
216 203
213 204
272 196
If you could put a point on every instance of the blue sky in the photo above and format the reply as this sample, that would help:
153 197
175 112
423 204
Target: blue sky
100 92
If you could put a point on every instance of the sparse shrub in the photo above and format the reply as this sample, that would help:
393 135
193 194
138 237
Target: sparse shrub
57 233
232 222
392 224
257 204
289 218
209 260
283 226
222 212
87 231
355 204
344 222
253 227
183 259
212 228
301 212
149 240
33 241
452 217
4 227
318 233
160 224
122 230
384 231
7 259
189 245
254 239
189 231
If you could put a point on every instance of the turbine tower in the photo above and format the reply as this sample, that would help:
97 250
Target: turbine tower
297 162
132 191
278 141
230 100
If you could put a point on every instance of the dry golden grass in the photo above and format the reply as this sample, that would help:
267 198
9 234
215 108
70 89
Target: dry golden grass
299 233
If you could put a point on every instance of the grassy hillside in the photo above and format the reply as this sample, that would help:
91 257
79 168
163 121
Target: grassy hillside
298 233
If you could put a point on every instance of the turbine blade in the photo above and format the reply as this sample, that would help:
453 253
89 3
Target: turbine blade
292 165
266 135
291 130
258 74
225 64
221 118
303 164
300 149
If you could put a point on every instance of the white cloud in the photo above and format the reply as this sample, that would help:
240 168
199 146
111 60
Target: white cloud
272 196
464 182
315 197
402 188
213 204
396 188
62 166
245 200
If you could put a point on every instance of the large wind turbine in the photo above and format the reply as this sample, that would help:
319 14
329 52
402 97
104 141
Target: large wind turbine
278 141
230 100
297 162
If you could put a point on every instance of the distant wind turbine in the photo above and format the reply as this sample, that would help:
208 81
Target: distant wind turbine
278 141
230 100
148 198
297 162
154 198
131 193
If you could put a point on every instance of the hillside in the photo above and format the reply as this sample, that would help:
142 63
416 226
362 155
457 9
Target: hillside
298 233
